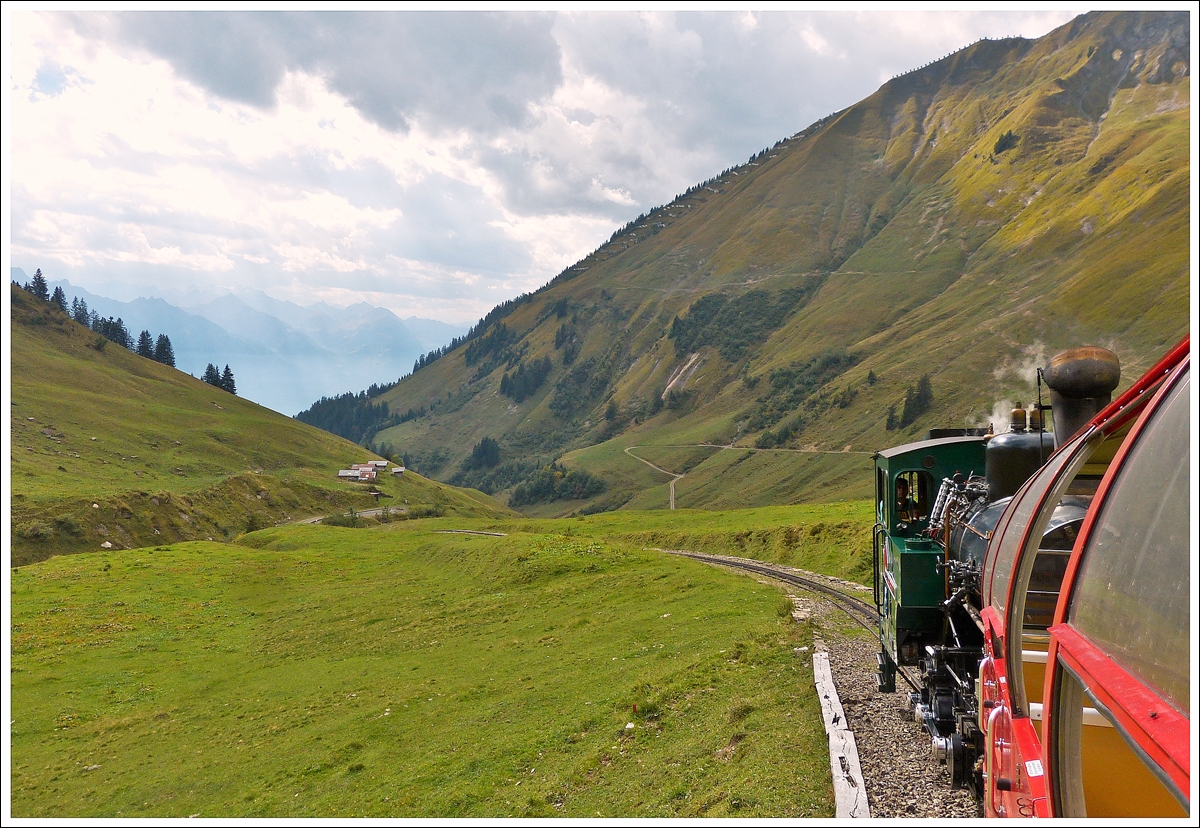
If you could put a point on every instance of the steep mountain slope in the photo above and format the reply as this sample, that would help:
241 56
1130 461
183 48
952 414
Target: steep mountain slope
965 221
109 447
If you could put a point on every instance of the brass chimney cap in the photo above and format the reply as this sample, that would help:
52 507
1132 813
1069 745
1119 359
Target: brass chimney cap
1084 372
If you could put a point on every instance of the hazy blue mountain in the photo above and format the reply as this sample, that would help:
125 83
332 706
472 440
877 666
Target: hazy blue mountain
283 355
431 332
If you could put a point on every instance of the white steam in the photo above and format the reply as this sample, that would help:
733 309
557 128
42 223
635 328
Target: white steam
1024 370
1017 379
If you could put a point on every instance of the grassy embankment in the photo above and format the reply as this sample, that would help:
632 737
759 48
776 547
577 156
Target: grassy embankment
314 670
162 455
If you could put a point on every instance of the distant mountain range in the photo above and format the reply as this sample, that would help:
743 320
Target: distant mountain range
283 355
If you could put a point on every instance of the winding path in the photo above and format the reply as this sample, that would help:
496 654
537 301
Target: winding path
720 447
674 476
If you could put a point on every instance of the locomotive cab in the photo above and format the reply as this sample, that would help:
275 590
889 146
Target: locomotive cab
910 584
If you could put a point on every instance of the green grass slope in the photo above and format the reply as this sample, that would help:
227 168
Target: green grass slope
162 455
790 302
561 670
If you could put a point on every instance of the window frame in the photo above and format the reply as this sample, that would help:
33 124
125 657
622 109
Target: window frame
1149 723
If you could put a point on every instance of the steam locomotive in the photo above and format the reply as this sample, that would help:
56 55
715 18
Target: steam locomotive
1034 594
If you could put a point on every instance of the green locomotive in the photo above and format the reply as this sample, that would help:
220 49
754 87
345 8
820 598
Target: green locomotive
910 567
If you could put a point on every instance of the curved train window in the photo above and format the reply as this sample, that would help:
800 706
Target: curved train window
1132 596
1021 509
911 497
1054 551
1096 771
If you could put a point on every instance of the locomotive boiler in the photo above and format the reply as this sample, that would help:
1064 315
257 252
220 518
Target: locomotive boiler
982 547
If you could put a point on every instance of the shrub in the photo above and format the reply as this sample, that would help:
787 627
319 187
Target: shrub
734 325
553 482
35 530
1005 142
68 525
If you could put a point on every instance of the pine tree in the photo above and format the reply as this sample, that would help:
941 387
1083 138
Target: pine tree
38 286
227 381
485 453
60 299
163 352
890 425
80 313
211 375
120 334
145 345
918 401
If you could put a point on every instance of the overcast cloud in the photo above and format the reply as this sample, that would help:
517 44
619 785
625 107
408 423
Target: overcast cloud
434 163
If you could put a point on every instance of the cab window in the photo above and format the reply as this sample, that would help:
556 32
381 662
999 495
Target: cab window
881 489
911 500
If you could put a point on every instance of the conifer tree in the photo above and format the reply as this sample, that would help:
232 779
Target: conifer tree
59 299
227 381
145 345
212 376
917 402
118 333
37 286
163 352
80 313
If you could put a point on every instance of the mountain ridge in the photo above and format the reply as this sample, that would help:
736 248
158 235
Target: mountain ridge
960 223
917 240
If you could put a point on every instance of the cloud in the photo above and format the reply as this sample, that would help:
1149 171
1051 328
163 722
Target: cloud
475 70
433 162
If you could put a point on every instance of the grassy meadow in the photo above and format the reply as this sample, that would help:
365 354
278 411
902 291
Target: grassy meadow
110 447
398 671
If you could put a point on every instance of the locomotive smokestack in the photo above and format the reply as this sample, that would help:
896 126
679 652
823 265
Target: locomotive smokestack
1081 383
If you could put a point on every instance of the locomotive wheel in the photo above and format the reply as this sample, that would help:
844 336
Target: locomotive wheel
957 762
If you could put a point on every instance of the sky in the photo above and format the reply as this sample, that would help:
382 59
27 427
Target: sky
435 163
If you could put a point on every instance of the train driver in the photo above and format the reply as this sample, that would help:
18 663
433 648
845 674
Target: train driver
906 507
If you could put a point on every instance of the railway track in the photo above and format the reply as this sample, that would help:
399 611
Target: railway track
861 612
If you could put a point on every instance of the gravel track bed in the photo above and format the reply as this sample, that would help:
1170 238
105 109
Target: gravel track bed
902 779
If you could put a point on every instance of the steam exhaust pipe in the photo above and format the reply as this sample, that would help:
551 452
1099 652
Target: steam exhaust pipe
1081 383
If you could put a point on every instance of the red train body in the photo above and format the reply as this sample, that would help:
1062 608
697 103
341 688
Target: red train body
1087 713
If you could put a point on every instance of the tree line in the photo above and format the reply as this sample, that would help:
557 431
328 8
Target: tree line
112 329
356 416
221 379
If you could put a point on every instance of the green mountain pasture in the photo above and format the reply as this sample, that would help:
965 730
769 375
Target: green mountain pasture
394 671
162 455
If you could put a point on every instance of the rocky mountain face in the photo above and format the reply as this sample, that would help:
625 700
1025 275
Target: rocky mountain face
962 224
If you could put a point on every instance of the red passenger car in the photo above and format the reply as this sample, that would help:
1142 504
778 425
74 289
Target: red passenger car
1084 688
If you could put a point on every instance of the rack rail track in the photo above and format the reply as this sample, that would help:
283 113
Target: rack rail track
861 612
